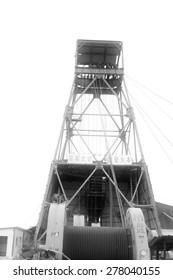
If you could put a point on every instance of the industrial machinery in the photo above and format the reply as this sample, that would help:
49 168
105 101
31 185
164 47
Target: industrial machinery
99 202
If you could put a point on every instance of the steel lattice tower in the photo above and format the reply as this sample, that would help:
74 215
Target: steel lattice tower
99 145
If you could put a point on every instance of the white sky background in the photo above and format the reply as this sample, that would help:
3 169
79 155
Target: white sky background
38 40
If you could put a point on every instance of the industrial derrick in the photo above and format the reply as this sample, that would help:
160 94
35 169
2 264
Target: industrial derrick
99 202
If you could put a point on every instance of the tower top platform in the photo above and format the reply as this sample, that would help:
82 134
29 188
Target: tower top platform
98 54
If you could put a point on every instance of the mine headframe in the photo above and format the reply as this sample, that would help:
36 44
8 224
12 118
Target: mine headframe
98 171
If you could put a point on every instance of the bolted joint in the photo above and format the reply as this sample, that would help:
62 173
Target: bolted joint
68 112
130 113
122 134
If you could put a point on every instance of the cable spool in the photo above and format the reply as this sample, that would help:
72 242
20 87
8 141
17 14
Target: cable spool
92 243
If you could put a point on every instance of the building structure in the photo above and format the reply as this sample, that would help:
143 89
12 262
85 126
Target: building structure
13 240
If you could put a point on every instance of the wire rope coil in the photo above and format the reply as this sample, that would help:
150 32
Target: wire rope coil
96 243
